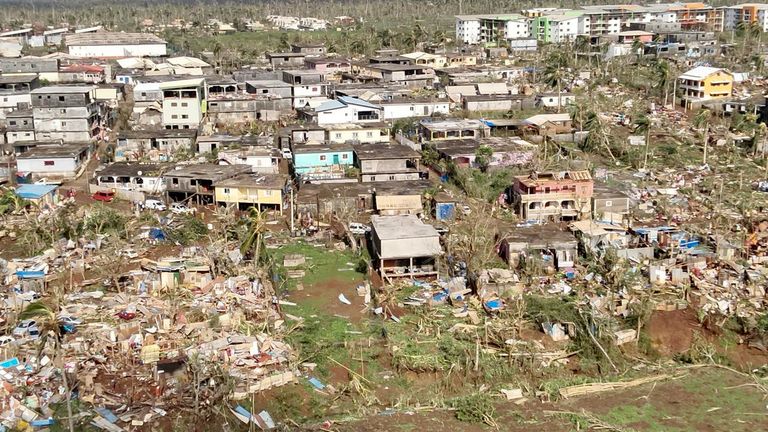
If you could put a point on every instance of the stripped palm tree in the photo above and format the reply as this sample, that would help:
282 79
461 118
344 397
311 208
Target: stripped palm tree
254 237
701 121
643 125
45 316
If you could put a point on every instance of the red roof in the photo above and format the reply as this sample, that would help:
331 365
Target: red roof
83 68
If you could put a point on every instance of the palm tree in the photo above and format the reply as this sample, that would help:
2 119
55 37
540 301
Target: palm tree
556 74
662 75
386 38
47 322
701 121
254 236
598 134
643 125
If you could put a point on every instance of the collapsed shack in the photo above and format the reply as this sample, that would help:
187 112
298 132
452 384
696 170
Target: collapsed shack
176 334
539 246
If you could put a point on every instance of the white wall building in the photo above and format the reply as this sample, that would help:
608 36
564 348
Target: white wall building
348 110
398 109
115 45
468 29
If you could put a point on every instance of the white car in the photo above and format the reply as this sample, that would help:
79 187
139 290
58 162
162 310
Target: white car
179 208
358 228
26 328
286 153
6 340
153 204
70 320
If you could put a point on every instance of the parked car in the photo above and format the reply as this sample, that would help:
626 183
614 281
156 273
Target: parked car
466 210
26 328
104 196
286 153
154 204
126 315
179 208
6 340
70 320
441 229
358 228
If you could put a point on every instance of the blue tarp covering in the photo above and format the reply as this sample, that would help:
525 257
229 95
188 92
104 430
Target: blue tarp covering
156 234
9 363
445 211
30 274
35 191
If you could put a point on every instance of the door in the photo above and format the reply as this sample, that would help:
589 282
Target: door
335 159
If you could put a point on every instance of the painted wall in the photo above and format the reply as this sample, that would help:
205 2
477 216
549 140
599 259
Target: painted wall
251 195
305 162
143 50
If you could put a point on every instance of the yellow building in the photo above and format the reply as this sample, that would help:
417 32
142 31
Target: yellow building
353 132
458 60
426 59
704 83
265 191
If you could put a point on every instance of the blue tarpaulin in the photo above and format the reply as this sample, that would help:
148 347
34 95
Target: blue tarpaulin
9 363
156 234
316 383
30 274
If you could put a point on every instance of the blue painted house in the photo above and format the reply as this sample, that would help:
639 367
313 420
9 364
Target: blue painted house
322 162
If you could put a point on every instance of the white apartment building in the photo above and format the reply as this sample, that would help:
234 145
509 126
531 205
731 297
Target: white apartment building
747 13
183 103
468 29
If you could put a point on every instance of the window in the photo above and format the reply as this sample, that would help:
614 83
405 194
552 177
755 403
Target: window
12 122
5 99
174 104
338 135
61 98
322 157
143 94
63 123
175 181
184 116
63 110
226 191
373 178
49 163
184 104
174 116
267 193
354 134
344 156
369 134
391 177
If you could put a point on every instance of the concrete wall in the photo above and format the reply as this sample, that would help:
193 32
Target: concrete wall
374 177
382 165
406 110
140 50
62 167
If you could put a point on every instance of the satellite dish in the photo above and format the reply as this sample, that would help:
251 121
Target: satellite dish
139 173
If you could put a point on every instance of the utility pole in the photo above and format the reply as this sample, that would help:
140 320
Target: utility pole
292 211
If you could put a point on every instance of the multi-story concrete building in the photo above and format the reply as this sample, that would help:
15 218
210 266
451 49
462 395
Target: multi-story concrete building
702 84
558 25
552 195
69 113
184 103
15 92
748 13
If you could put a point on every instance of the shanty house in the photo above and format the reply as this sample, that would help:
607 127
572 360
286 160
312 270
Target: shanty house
404 246
146 178
196 182
322 162
389 162
346 110
544 246
57 161
264 191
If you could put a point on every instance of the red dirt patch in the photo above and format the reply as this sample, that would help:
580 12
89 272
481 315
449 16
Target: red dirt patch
673 332
326 295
